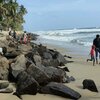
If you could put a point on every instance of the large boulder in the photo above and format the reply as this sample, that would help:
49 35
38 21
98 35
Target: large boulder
39 75
47 55
61 58
4 66
60 90
12 44
11 55
18 66
50 62
26 84
56 75
37 60
24 48
90 85
41 49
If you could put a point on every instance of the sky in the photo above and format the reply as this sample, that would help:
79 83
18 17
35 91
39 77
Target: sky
60 14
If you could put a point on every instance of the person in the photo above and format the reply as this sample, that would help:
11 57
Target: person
29 38
25 38
10 33
14 34
96 43
92 53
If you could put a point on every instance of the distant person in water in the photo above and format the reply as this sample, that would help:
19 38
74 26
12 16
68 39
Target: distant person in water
96 43
92 54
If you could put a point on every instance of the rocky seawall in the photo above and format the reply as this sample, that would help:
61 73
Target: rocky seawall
34 68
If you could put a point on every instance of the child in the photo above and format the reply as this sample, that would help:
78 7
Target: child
25 38
92 53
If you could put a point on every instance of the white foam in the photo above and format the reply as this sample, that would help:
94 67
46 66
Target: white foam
78 36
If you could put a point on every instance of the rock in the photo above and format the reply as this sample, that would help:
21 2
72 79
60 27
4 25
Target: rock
10 55
66 69
60 90
47 55
4 66
12 44
37 60
61 58
26 84
4 50
69 79
18 66
30 55
68 56
24 48
56 75
90 85
4 85
49 62
41 49
40 76
6 90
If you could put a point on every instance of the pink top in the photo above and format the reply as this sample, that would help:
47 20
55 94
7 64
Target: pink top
92 52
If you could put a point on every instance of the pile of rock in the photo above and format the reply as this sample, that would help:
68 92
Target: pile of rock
32 67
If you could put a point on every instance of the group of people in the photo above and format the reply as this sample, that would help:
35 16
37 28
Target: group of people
95 50
25 38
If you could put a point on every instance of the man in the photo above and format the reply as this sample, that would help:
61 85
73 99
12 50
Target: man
96 42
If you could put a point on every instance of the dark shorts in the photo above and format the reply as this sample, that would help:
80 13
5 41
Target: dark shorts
92 58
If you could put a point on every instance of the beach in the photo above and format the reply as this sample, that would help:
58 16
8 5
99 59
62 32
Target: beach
79 69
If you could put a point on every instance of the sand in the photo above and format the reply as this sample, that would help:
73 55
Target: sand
80 69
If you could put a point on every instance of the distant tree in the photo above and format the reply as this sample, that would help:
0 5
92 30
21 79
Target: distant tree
11 14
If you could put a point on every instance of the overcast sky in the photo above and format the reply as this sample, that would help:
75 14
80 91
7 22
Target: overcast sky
61 14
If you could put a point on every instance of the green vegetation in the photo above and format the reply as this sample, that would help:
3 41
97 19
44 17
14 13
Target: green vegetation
11 15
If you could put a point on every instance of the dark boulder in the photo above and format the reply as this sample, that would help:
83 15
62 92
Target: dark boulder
39 75
47 55
90 85
50 62
30 55
26 84
41 49
56 75
60 90
66 69
61 58
10 55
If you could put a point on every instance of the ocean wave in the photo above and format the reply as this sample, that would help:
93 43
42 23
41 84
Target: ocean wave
75 36
69 32
84 43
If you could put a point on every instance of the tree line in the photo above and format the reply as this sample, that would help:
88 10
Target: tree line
11 15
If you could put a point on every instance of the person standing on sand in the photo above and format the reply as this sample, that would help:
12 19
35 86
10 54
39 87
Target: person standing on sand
92 53
96 43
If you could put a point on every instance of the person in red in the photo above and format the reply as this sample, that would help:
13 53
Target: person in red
92 53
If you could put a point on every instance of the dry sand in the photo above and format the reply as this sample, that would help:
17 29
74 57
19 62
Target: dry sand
81 70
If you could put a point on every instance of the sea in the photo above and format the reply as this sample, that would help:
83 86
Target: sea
76 41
